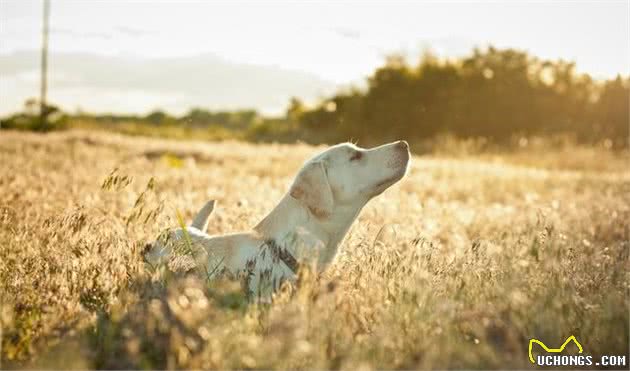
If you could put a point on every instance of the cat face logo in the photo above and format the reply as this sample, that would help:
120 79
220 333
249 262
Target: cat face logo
553 350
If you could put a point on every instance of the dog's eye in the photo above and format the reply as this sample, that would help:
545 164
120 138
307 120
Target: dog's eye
356 156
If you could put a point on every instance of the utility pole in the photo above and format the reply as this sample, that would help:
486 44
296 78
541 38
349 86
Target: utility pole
44 71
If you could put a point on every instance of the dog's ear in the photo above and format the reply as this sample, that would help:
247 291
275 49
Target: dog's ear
312 189
201 219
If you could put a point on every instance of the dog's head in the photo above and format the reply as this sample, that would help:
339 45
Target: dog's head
347 175
154 252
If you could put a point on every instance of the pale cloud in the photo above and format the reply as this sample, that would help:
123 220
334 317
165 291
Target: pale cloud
133 84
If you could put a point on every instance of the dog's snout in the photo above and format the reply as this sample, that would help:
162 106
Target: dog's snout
147 248
403 145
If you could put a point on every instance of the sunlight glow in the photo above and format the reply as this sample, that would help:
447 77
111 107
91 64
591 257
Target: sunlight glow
321 45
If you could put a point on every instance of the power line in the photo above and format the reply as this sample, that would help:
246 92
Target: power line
44 67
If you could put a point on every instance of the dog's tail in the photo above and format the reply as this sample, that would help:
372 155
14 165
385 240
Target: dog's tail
201 219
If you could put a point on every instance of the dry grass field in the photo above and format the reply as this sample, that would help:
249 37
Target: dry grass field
457 266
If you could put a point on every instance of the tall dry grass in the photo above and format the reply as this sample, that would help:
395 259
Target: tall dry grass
458 266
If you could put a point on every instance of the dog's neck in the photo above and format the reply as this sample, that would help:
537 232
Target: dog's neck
290 214
285 218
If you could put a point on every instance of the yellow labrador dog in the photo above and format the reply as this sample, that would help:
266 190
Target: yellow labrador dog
306 227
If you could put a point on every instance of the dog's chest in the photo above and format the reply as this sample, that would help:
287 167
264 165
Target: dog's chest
262 269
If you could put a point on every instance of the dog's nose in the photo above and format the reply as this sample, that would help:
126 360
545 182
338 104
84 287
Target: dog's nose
402 144
147 248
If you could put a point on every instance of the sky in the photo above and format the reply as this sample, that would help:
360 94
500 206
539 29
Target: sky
136 56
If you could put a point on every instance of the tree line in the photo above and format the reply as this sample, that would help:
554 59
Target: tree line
492 93
496 94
